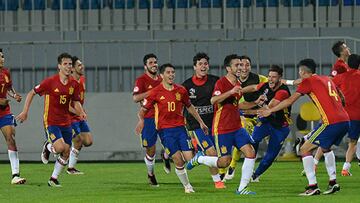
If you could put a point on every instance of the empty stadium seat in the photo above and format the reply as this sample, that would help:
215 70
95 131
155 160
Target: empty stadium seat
67 4
210 4
351 2
326 2
236 3
145 4
121 4
179 4
295 3
10 5
38 5
92 4
267 3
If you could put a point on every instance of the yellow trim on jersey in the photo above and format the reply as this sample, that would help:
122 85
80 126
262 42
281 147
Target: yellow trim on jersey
216 139
156 116
197 140
321 110
46 110
263 78
317 133
217 119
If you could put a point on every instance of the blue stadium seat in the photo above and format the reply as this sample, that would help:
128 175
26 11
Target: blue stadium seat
179 3
210 4
91 4
38 5
67 4
267 3
236 3
326 2
351 2
121 4
10 5
145 4
295 3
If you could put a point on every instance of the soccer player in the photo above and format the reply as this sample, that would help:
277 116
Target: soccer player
7 122
246 78
58 91
342 51
143 84
227 127
275 126
200 87
169 100
347 82
81 131
334 126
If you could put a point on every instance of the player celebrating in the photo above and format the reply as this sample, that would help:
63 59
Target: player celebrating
200 87
7 122
81 131
143 84
342 51
334 126
58 90
169 100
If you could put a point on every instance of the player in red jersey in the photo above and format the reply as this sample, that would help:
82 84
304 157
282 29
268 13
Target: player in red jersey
58 91
143 84
7 122
334 126
342 51
347 82
81 131
169 100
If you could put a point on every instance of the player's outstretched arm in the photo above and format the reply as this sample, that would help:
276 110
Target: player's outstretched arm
191 109
250 88
12 93
221 97
139 97
285 103
140 124
23 115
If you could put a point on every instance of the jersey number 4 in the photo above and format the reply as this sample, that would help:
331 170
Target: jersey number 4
332 92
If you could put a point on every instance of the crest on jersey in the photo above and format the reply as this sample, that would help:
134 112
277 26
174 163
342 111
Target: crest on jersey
334 72
71 90
52 136
205 144
6 78
223 150
178 96
136 89
145 143
192 93
217 93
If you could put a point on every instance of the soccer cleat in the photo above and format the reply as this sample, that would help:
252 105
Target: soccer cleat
53 182
311 190
230 173
222 177
189 189
152 180
167 166
194 161
345 172
245 191
332 189
45 154
219 185
359 163
74 171
255 179
17 180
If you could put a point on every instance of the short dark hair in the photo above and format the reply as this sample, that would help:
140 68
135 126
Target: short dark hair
162 67
147 56
354 61
276 68
336 48
0 49
245 57
63 56
229 58
309 64
74 59
199 56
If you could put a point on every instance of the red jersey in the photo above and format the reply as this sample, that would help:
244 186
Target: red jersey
57 99
226 113
81 81
143 84
169 106
349 84
323 93
5 85
339 67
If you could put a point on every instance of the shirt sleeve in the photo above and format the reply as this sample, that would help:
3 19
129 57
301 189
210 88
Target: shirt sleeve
217 89
338 69
43 87
185 98
76 94
304 87
149 101
337 80
258 87
281 95
139 86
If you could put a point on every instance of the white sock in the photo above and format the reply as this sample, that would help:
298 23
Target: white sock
150 162
51 148
330 164
358 149
58 167
182 175
14 161
210 161
216 178
346 166
309 168
316 162
74 155
246 172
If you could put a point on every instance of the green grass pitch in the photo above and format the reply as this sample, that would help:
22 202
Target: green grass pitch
127 182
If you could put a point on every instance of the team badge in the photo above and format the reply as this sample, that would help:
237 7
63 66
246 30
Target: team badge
192 93
334 72
217 93
223 150
136 89
71 90
145 144
178 96
204 144
52 136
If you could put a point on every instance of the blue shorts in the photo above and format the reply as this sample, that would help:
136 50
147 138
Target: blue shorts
225 142
149 133
266 129
54 133
354 130
79 127
175 139
203 141
327 135
7 120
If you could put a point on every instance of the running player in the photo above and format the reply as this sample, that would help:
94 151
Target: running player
7 122
143 84
200 87
334 126
169 100
58 90
81 131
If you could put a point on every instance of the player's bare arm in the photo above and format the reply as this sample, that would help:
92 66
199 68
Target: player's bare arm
250 88
222 97
139 97
195 114
12 93
285 103
23 115
78 108
140 124
248 105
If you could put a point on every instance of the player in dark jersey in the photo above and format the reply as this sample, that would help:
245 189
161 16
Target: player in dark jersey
331 130
200 87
